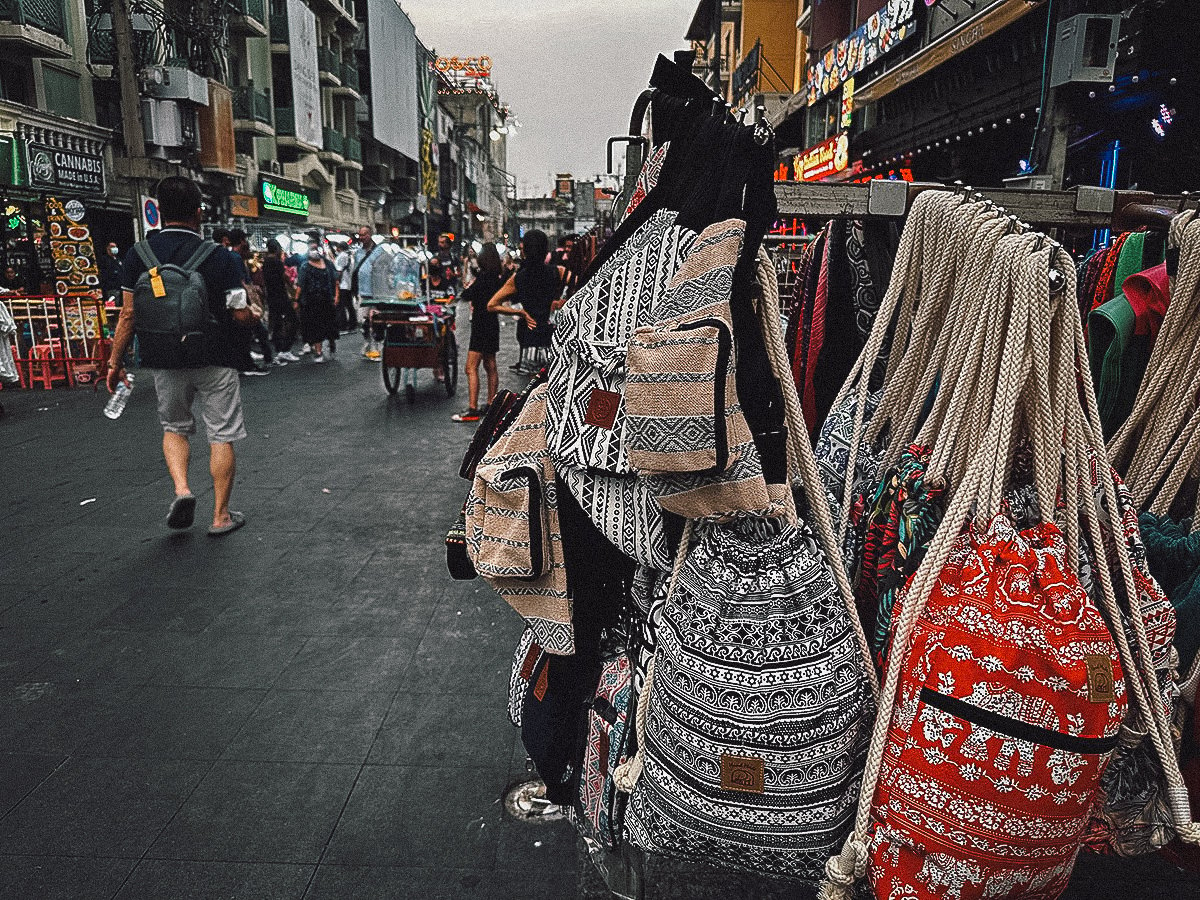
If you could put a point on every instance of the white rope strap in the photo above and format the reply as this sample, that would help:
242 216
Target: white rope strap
905 279
801 458
1141 673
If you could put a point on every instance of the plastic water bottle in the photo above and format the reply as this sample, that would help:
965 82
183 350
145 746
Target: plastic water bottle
116 403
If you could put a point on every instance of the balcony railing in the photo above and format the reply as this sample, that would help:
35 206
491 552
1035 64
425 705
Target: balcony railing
251 103
353 149
350 74
328 61
335 141
252 9
48 15
285 120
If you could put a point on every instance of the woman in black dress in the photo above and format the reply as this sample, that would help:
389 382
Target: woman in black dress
537 287
485 332
318 303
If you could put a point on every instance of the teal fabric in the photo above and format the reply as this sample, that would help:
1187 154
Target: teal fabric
1174 557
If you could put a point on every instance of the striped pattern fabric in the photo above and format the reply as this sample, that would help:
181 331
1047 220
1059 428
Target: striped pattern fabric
498 529
759 713
681 399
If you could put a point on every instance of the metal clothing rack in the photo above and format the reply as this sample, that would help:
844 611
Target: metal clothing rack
1083 207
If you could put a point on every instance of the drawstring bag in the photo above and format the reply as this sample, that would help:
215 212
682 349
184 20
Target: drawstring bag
754 720
600 809
1009 705
686 433
513 534
1174 555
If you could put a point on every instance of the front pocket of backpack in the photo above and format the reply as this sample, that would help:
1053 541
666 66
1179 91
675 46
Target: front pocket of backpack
513 539
676 404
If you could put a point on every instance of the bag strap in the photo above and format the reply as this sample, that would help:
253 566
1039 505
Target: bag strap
196 260
801 462
144 251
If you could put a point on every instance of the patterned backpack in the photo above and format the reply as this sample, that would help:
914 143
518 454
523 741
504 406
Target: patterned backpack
1008 708
600 809
754 721
513 535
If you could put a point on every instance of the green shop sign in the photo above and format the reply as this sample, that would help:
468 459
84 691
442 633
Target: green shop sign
277 198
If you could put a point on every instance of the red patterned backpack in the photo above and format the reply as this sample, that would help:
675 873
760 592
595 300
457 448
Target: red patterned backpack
1008 709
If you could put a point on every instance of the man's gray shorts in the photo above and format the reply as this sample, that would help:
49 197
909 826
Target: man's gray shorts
220 402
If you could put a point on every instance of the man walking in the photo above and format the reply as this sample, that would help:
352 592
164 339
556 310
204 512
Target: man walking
176 282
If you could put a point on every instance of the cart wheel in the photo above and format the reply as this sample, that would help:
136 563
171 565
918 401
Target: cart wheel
410 391
391 378
450 363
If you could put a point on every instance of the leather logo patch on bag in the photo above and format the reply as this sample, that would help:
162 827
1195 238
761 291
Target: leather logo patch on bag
745 774
532 655
543 684
602 408
1100 679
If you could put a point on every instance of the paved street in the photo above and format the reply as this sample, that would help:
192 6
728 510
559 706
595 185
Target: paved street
306 708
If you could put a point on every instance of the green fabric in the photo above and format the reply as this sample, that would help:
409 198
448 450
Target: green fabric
1131 261
1118 358
1174 557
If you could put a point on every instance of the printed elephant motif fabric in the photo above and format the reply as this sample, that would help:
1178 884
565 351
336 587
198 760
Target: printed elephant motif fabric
1009 706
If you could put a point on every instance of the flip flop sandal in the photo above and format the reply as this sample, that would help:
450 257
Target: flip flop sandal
237 520
182 513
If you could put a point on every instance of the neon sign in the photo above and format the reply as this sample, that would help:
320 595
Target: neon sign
284 200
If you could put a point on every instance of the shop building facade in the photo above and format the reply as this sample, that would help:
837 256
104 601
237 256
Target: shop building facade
1098 92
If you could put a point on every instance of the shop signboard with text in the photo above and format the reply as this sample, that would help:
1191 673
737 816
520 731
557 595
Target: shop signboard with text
306 83
59 169
825 159
279 198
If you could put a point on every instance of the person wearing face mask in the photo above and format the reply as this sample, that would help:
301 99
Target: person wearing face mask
317 303
110 274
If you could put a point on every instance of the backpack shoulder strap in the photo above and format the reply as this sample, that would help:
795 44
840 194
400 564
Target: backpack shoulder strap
196 260
142 248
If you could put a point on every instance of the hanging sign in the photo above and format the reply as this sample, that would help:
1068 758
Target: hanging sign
745 76
76 272
68 170
277 198
849 56
825 159
464 66
243 206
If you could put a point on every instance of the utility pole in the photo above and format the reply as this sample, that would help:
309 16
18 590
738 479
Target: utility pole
131 109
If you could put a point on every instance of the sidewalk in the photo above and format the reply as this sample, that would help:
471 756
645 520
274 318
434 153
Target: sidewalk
308 707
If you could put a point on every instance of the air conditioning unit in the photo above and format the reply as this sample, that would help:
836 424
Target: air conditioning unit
170 125
1085 49
175 83
162 123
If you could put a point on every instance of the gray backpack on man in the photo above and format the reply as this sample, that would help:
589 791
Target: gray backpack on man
171 315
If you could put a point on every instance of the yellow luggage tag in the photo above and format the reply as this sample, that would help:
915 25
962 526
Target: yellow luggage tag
156 283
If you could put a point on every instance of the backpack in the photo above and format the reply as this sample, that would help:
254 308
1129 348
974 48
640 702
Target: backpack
172 317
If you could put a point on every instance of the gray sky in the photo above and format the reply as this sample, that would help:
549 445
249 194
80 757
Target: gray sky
570 69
